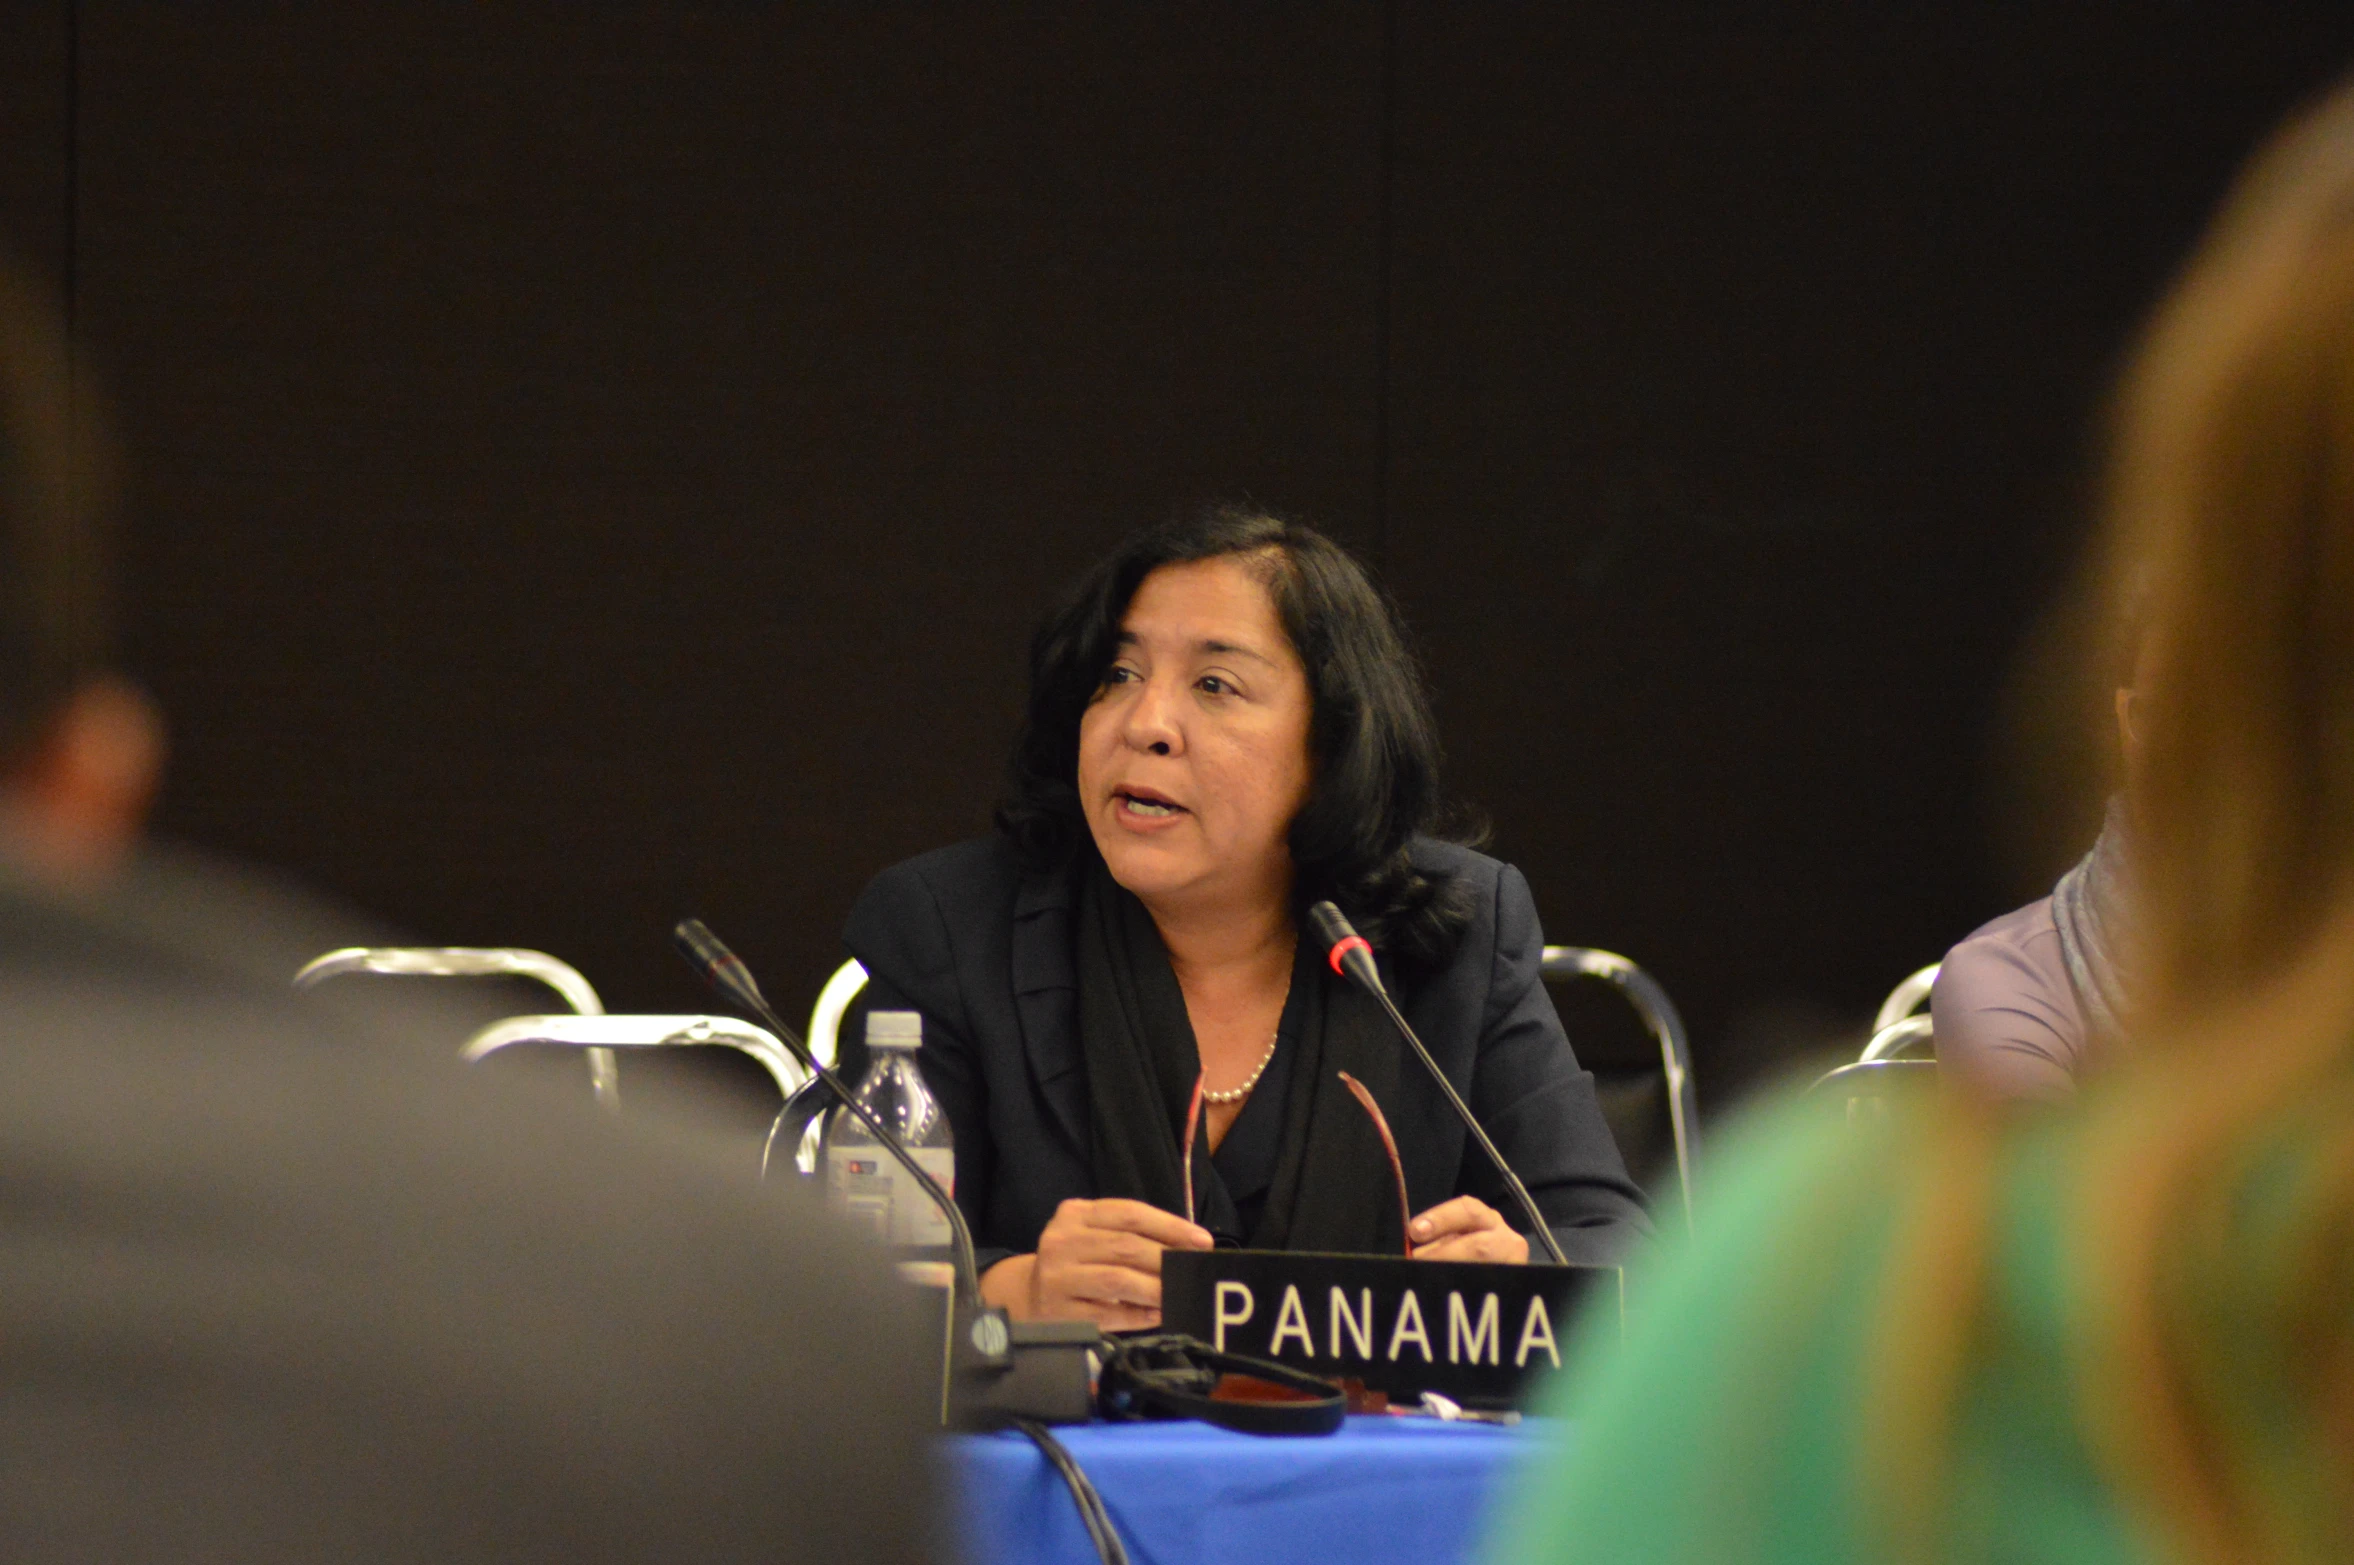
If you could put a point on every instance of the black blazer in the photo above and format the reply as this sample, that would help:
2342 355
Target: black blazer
984 950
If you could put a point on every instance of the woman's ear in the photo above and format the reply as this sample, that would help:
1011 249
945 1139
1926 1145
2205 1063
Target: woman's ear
76 803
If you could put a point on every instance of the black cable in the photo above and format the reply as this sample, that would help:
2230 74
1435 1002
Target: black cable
1092 1515
1098 1521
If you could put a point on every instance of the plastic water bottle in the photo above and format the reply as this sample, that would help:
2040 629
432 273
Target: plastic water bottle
867 1182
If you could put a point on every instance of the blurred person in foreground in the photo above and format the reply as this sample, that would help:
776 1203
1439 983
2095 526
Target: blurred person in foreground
2124 1331
274 1287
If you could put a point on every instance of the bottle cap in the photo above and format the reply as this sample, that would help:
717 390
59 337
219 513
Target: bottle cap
894 1029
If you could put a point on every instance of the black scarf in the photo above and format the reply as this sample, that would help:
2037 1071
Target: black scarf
1332 1189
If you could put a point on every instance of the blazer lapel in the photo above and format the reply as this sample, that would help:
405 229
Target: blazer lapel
1046 998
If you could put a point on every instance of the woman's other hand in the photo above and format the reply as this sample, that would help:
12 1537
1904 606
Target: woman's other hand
1098 1261
1466 1229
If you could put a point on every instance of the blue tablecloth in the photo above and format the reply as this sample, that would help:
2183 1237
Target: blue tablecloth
1383 1488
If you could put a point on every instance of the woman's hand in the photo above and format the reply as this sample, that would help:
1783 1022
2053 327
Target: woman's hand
1466 1229
1098 1261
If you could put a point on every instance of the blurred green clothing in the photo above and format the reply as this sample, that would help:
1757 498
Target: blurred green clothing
1730 1425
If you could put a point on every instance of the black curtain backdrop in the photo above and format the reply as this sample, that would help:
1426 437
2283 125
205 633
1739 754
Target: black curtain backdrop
36 182
593 466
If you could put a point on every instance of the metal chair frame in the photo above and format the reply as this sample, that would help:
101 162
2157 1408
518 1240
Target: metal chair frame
833 1002
1897 1040
1905 999
607 1033
1872 1072
1902 1027
825 1042
1665 1025
480 962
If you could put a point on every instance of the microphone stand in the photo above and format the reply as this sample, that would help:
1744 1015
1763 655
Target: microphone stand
987 1335
1053 1382
1353 957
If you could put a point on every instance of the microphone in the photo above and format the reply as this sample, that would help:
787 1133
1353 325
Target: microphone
988 1335
725 971
1352 958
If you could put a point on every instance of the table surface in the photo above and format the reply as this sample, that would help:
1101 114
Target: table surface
1382 1488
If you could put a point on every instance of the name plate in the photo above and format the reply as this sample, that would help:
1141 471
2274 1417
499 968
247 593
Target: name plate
1476 1331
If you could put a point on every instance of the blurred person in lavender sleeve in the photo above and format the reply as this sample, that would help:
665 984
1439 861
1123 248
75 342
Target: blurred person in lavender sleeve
2030 1003
283 1283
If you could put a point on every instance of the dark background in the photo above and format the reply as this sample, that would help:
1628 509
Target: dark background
596 464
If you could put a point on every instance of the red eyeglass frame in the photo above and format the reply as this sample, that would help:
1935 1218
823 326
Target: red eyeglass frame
1381 1127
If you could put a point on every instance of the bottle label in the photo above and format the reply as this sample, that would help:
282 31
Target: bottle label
916 1221
868 1185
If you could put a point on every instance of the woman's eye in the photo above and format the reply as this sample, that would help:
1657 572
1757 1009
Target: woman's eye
1212 684
1118 675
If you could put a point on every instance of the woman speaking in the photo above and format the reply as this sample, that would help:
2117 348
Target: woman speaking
1223 727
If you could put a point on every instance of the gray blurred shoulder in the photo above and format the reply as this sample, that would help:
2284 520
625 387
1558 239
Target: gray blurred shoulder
350 1301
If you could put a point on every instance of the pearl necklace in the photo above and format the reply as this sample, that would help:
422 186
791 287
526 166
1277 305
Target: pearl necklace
1237 1094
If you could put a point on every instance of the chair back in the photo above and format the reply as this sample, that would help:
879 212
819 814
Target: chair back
833 1002
801 1123
1636 1095
1911 1037
1905 998
1868 1086
1899 1060
608 1033
480 962
1903 1030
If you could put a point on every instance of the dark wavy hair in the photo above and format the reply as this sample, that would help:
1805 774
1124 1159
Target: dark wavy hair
1374 745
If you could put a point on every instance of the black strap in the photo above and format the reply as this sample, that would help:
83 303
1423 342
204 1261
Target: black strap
1171 1376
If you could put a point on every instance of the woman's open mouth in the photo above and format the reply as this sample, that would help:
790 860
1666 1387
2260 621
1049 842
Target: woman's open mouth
1145 804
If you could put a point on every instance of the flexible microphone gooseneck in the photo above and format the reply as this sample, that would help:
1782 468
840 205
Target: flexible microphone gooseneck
726 972
1351 957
